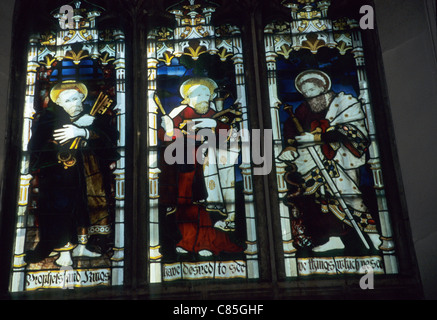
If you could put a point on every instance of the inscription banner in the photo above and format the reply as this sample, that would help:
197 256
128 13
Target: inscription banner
67 279
339 265
204 270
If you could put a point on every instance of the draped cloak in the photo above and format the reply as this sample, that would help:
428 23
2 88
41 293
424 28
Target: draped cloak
342 150
72 197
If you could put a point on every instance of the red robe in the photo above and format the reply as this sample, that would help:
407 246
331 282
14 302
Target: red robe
183 186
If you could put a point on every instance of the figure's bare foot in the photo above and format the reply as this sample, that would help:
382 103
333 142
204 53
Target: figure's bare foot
64 259
334 243
181 250
376 240
205 253
82 251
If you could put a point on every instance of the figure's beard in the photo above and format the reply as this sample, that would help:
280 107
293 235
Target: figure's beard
202 107
320 103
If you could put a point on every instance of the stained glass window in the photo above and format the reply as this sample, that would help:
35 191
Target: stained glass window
70 211
205 203
333 211
201 211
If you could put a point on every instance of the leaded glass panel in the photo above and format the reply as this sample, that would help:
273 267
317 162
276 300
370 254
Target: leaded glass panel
70 211
201 215
333 211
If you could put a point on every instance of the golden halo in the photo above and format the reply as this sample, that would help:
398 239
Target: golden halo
68 85
207 82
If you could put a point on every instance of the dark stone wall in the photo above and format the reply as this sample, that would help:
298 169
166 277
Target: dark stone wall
407 35
6 14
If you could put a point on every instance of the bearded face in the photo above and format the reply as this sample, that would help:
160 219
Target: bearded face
311 89
199 99
316 97
202 107
319 103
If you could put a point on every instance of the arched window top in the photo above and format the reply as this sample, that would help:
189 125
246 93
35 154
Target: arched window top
81 14
312 28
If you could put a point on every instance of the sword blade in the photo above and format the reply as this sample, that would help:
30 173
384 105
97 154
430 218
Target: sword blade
337 194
